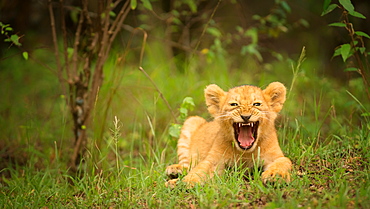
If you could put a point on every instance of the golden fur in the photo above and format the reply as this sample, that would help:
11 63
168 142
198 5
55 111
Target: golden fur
243 128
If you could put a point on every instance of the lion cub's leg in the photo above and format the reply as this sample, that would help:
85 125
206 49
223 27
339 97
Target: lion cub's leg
205 170
173 171
279 167
183 147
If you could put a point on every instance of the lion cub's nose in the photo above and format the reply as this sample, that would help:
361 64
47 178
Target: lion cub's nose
246 117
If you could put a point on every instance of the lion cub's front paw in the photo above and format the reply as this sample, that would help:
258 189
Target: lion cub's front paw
173 171
274 174
279 168
171 183
192 179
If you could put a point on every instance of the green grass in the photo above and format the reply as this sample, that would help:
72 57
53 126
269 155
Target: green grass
321 129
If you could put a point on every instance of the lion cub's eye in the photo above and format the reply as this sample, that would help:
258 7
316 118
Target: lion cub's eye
234 104
256 104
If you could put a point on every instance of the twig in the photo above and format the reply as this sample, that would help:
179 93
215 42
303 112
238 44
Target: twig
55 38
64 31
205 27
117 24
160 94
145 36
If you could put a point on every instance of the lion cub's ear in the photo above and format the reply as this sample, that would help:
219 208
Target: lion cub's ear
213 95
275 95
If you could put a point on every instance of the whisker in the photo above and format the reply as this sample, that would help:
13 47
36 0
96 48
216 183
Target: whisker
224 116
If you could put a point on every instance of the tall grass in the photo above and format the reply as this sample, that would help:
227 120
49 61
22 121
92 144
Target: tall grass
321 129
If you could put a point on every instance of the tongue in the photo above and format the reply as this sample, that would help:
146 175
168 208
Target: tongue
245 136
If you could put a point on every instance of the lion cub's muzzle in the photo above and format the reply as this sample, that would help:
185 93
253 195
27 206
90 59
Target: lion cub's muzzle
245 133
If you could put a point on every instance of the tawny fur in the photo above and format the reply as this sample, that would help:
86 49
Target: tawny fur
207 147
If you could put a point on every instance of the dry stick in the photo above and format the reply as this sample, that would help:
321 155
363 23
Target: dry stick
115 28
160 94
119 21
55 39
64 31
105 31
144 44
120 14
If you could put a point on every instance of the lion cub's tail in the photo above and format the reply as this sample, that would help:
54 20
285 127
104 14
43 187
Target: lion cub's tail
183 145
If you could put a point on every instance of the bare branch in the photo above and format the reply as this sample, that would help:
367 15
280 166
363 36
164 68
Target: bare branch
64 31
116 26
55 38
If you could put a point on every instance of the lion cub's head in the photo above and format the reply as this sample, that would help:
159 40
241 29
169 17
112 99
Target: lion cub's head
248 109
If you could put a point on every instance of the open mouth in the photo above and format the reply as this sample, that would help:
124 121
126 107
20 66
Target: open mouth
245 134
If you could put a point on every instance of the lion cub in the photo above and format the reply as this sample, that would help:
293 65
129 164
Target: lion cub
243 128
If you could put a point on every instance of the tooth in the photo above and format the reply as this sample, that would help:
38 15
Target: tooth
252 124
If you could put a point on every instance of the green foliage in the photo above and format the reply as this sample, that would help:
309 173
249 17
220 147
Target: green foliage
346 4
355 48
186 106
276 22
25 55
133 4
147 4
345 51
7 31
273 25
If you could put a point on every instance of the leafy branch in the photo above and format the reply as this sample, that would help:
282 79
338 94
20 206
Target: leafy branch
356 47
7 31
